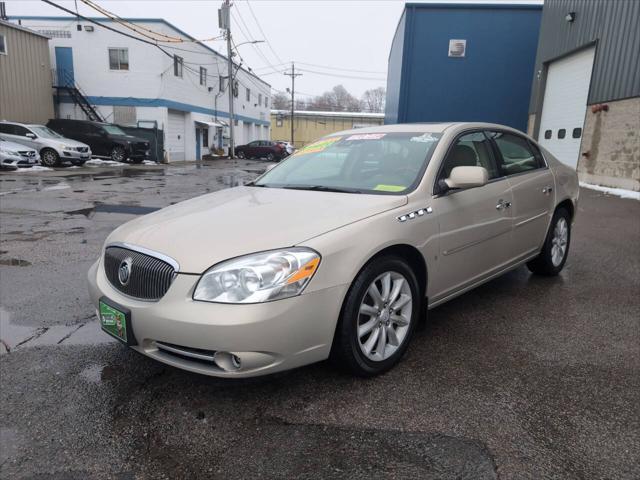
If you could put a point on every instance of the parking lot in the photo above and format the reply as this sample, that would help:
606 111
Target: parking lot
524 377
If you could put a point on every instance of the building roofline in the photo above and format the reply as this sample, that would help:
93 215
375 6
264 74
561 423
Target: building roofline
477 6
132 19
329 114
24 29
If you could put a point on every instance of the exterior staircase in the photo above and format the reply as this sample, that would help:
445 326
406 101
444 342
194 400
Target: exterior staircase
64 83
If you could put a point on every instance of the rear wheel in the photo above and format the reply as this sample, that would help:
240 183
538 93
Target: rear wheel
378 318
555 250
240 155
49 157
118 154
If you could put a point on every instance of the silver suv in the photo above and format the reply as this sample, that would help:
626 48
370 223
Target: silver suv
54 149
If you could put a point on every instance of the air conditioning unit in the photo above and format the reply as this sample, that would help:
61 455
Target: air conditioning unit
457 48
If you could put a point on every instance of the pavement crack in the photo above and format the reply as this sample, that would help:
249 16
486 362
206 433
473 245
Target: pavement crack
38 333
70 333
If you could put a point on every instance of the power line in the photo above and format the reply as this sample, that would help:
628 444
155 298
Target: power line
342 76
341 69
263 34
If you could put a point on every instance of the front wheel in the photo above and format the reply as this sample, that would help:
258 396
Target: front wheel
378 319
555 250
270 157
118 154
49 157
240 155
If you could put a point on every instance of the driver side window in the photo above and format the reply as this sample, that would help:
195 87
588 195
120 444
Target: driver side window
470 150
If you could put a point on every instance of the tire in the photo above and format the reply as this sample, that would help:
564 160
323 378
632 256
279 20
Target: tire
49 157
118 154
349 349
137 161
270 157
555 250
240 155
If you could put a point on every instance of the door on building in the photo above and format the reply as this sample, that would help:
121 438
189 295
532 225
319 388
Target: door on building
175 133
64 66
565 105
198 153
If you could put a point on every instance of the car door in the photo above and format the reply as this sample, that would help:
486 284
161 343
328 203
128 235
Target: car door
475 224
92 136
533 186
251 149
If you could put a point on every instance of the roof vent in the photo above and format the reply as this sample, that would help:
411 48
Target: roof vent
457 48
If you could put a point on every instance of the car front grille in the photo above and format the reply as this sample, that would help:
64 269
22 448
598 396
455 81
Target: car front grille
82 149
27 153
149 276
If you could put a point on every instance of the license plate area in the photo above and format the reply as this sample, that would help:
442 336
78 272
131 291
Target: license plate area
116 321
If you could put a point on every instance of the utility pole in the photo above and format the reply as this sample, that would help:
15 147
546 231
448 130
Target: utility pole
224 20
293 76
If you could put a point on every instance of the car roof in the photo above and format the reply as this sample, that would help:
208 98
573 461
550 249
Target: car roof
435 127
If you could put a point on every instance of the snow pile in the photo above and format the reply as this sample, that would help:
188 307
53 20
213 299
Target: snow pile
35 168
619 192
102 163
149 162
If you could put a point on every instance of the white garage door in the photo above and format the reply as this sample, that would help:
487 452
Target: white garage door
175 135
565 105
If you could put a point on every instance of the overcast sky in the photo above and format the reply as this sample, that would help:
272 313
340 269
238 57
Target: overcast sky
345 35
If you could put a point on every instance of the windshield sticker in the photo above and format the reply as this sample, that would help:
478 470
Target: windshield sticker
424 138
317 146
390 188
366 136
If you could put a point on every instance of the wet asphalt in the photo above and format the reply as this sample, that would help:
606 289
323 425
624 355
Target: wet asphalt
524 377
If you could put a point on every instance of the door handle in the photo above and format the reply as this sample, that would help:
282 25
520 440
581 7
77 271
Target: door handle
502 205
547 190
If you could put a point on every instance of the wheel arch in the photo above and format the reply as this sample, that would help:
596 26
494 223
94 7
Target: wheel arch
568 205
411 255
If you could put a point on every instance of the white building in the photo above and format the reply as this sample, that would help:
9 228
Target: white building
127 81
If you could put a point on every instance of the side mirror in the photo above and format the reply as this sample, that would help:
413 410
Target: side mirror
31 135
467 177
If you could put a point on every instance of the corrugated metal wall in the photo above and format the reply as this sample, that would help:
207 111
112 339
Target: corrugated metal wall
613 25
25 77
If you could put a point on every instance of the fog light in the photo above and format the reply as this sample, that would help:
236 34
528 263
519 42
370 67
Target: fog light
227 361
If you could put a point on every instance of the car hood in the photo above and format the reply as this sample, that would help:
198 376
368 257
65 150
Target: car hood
203 231
7 145
67 141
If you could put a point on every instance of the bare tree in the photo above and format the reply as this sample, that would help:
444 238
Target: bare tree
281 101
373 100
338 99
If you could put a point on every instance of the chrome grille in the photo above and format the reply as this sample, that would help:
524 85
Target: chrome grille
149 279
82 149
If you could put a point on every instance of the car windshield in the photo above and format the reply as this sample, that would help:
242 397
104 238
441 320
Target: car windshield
45 132
356 163
113 130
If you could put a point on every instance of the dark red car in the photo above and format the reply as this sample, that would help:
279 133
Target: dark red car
262 149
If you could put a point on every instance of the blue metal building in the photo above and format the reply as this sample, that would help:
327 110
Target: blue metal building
463 62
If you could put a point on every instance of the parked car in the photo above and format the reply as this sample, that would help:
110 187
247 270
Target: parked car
336 252
105 139
53 147
13 155
266 149
288 147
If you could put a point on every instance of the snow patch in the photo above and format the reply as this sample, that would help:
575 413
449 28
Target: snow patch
102 163
149 162
35 168
619 192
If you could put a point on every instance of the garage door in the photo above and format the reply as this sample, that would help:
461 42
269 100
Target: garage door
175 135
565 105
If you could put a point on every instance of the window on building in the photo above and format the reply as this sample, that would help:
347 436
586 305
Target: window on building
279 122
236 89
3 45
248 95
203 76
266 101
562 133
118 59
178 63
259 99
221 84
577 133
547 134
205 137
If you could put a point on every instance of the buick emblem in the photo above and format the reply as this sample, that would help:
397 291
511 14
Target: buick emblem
124 271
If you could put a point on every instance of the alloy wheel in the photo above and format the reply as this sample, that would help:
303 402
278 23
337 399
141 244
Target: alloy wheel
117 154
49 158
384 316
559 241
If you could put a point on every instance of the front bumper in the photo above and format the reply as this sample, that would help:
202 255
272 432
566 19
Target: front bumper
20 162
267 337
75 157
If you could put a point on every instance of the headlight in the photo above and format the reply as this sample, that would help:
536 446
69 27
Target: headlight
259 277
11 153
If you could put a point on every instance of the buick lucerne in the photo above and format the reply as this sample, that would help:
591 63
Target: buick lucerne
337 252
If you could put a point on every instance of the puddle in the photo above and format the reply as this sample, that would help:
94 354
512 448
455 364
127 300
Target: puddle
14 262
83 211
